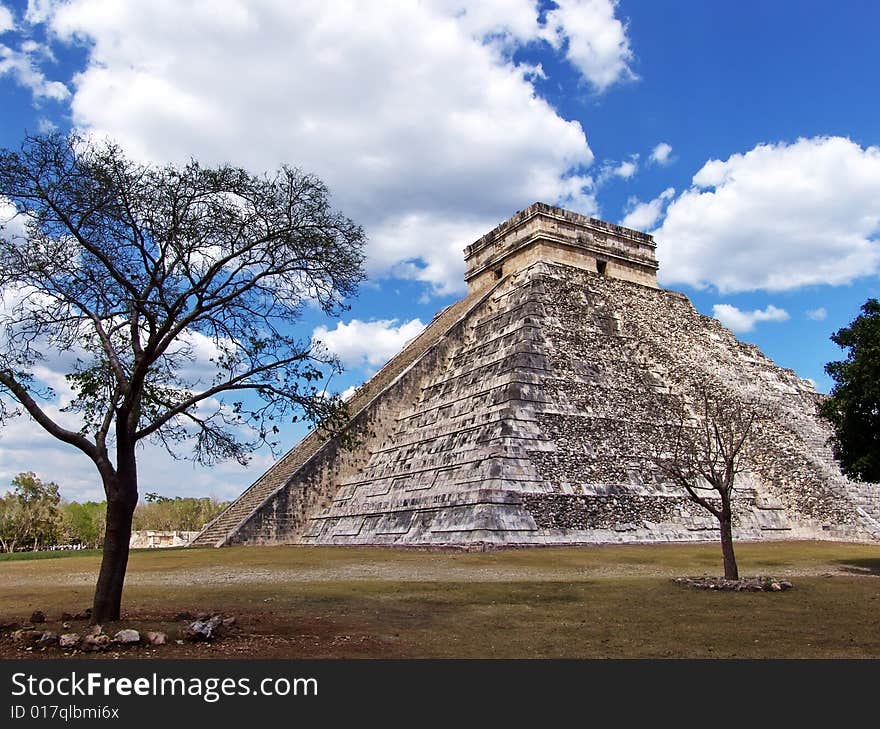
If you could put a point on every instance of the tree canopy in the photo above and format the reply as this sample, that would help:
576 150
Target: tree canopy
168 293
854 405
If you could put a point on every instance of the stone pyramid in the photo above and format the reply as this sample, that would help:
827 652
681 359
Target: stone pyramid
517 417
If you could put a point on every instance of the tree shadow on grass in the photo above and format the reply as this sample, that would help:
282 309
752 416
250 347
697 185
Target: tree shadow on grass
867 566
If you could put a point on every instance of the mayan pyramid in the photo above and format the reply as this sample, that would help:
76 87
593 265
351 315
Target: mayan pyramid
517 417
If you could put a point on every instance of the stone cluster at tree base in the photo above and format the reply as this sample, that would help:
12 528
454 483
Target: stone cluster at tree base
743 584
526 413
202 627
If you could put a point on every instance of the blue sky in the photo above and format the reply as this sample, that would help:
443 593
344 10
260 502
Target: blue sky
743 135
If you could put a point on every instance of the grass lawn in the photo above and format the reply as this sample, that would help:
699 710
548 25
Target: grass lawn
576 602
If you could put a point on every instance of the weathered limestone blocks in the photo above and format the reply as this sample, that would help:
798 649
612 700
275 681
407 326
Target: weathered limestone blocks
523 415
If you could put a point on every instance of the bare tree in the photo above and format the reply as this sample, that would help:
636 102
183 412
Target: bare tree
170 292
699 447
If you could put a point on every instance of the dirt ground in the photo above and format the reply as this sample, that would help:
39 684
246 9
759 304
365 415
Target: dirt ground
578 602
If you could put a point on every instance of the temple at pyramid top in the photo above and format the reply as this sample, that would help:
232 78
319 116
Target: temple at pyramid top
542 232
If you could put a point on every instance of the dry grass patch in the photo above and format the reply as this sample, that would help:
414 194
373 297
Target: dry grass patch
585 602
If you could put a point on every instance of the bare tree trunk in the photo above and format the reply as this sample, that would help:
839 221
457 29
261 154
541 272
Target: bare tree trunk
108 591
731 572
122 496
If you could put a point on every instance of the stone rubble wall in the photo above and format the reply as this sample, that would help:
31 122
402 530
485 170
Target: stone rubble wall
610 342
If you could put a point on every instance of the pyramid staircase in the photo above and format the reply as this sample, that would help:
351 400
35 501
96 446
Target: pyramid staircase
456 457
217 532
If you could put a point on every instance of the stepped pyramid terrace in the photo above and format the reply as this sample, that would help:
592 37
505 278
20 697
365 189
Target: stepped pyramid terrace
518 417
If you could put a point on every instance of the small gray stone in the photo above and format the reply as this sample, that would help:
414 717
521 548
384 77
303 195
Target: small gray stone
26 636
95 630
68 640
155 638
127 637
95 643
48 638
203 630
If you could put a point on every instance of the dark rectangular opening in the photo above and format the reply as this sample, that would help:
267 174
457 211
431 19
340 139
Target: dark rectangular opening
498 272
602 267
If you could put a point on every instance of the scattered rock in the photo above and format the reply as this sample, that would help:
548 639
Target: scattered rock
68 640
26 636
94 630
95 643
229 622
203 616
65 617
9 626
84 615
155 638
204 630
38 616
744 584
127 637
65 625
48 638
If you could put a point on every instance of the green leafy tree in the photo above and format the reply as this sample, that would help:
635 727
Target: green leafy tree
135 269
12 522
30 514
186 514
84 523
854 405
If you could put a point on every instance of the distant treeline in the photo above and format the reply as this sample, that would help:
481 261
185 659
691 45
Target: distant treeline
33 516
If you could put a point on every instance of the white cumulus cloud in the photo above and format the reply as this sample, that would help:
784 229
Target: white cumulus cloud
39 11
23 66
777 217
594 40
413 113
744 321
644 215
7 22
661 154
820 314
11 224
625 170
359 343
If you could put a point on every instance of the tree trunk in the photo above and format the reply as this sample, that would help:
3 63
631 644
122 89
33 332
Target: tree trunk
122 496
730 569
